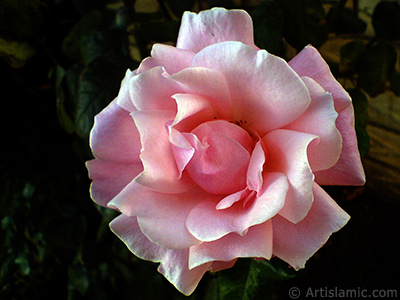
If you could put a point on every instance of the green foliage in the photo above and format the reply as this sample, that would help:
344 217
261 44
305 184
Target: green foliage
360 103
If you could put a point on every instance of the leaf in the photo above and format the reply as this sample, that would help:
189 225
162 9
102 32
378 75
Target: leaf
268 27
395 82
360 103
386 20
376 66
99 85
304 22
350 55
79 278
342 20
250 279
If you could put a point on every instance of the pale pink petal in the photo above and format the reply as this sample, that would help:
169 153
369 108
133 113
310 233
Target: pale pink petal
206 223
295 243
124 99
319 119
262 85
219 163
161 216
192 111
231 199
348 170
171 58
181 147
256 166
208 83
114 136
287 153
160 170
109 178
174 263
311 64
256 243
222 265
152 90
214 26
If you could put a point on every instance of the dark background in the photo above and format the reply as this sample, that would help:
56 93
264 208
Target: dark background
63 61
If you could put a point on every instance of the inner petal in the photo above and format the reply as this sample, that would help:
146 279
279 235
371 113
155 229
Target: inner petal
221 158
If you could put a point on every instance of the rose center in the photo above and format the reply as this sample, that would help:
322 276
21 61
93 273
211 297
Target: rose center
221 158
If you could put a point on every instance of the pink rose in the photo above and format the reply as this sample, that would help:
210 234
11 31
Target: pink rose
215 150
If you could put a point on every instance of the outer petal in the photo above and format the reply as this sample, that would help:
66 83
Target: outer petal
256 243
160 170
110 178
161 216
287 153
319 119
114 136
171 58
214 26
348 170
295 243
124 99
262 86
310 63
174 263
207 223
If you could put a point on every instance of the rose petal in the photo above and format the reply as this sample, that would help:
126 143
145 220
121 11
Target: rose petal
161 216
262 85
160 169
152 90
214 26
110 178
311 64
192 111
124 100
114 136
222 265
256 165
181 147
295 243
171 58
208 83
174 263
256 243
287 153
206 223
220 161
319 119
348 170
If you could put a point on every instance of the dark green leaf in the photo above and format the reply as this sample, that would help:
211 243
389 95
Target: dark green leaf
251 280
79 278
99 85
395 82
268 27
304 22
350 55
376 67
386 20
342 20
360 103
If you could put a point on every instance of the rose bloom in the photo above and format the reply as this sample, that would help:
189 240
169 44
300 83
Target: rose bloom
215 150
